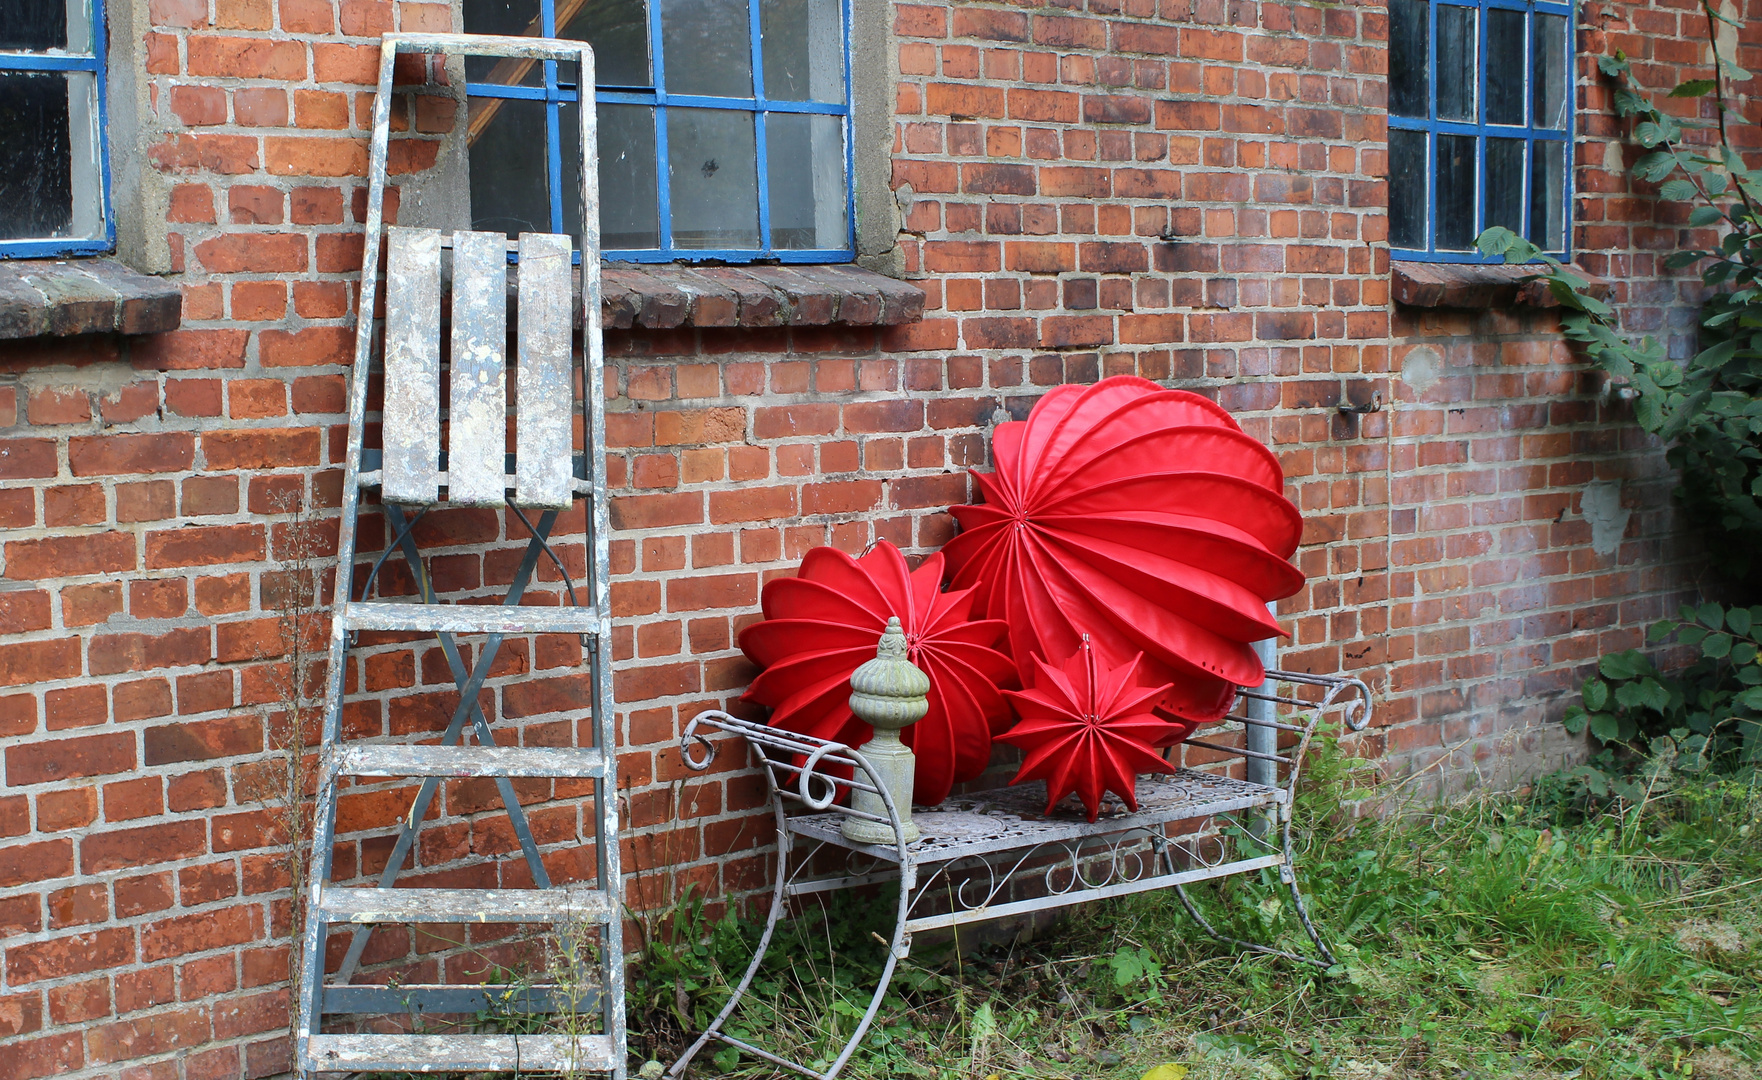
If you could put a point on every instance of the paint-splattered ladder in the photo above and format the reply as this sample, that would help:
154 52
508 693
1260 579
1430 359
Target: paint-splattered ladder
411 471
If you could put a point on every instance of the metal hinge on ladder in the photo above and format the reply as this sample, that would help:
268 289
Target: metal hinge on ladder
546 471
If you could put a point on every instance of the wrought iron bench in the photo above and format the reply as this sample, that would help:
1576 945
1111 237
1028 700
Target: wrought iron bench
995 854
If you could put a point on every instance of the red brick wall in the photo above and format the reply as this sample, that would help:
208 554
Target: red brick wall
1190 191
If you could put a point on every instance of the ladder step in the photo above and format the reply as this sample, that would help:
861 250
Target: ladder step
469 618
470 761
463 905
458 1053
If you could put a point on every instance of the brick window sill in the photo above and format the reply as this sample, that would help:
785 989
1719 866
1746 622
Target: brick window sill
63 297
640 296
1470 285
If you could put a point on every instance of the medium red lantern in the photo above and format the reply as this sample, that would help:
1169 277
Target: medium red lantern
1144 517
1089 728
822 624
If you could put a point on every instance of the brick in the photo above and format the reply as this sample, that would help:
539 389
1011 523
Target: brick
205 545
202 740
199 933
185 350
259 253
21 612
246 58
44 860
261 448
143 846
72 955
27 459
36 661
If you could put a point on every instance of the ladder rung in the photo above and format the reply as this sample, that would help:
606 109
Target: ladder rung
469 618
470 761
463 905
459 1053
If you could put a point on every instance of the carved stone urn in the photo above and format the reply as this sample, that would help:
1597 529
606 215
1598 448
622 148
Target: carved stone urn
889 694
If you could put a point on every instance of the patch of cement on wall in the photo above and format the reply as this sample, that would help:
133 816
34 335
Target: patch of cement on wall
1422 369
1601 506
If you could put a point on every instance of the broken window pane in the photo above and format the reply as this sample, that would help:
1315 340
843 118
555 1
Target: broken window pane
713 176
1409 65
805 159
803 61
707 46
38 26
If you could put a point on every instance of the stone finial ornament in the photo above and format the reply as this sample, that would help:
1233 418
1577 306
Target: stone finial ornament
889 694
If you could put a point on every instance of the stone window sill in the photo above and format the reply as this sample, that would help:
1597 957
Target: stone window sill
63 297
648 297
1473 285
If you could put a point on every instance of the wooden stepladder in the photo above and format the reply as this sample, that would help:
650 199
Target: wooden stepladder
474 467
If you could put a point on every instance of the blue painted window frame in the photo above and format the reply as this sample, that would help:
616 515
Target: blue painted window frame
555 94
92 62
1481 130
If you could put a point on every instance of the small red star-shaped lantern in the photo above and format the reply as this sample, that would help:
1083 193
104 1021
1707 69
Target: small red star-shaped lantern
823 623
1089 728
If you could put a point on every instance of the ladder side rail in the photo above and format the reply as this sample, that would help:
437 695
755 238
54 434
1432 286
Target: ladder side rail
600 529
312 958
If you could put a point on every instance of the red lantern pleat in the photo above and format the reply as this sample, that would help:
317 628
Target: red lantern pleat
822 624
1144 517
1089 728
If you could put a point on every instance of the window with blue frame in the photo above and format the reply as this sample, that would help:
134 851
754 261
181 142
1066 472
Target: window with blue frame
54 191
724 127
1480 125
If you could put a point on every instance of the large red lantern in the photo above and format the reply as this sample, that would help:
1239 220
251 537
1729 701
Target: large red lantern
822 624
1089 728
1144 517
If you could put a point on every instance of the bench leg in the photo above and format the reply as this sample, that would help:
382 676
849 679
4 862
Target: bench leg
897 950
1287 874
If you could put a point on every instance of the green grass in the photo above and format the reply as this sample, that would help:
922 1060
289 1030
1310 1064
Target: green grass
1498 937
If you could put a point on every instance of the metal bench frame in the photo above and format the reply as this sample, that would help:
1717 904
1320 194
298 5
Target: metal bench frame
978 849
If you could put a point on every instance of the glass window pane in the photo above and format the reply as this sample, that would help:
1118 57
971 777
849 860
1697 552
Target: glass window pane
36 156
1409 68
712 174
628 215
619 32
1454 212
508 18
1549 80
1548 195
1505 66
707 45
1505 183
803 49
1457 40
34 25
804 156
510 171
1407 189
